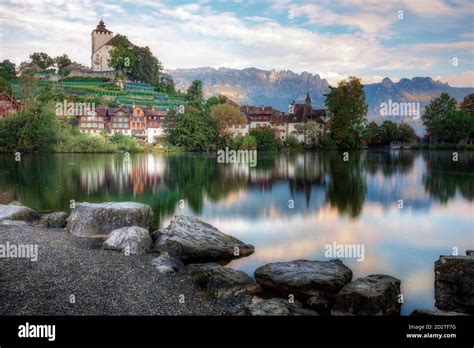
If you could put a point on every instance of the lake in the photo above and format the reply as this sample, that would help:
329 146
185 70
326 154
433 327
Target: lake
406 208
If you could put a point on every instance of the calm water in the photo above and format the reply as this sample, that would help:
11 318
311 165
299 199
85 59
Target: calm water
353 202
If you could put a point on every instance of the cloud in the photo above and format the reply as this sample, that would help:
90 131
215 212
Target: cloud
334 39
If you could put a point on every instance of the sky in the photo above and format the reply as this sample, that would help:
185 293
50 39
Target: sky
332 38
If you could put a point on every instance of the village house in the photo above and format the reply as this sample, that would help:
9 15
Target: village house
155 125
305 123
8 105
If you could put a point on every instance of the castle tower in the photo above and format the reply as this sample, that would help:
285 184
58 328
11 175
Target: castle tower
99 55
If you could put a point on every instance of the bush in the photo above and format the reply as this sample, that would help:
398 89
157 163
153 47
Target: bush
265 139
81 142
249 142
126 143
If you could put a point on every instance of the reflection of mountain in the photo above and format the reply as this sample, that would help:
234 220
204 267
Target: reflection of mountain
313 181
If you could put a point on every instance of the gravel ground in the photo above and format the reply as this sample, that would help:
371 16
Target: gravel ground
103 282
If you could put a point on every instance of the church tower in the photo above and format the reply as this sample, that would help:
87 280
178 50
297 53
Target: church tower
100 36
308 100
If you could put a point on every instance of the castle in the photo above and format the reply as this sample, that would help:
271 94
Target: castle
102 44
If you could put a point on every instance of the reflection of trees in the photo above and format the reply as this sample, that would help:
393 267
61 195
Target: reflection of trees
346 188
445 177
389 162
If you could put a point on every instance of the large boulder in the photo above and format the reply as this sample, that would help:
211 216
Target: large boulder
274 307
165 263
90 219
454 283
193 240
222 281
305 279
372 295
130 240
17 212
57 219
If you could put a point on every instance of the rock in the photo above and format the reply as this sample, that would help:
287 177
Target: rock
13 223
88 219
57 219
432 313
274 307
16 203
131 240
222 281
319 304
305 279
17 212
167 264
193 240
372 295
454 284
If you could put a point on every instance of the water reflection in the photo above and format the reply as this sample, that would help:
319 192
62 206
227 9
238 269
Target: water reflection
354 201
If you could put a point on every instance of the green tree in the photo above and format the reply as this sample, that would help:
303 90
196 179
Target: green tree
5 85
147 67
62 62
193 129
454 127
223 117
265 138
347 108
32 129
406 134
437 109
165 85
372 134
388 132
7 70
122 56
43 60
195 93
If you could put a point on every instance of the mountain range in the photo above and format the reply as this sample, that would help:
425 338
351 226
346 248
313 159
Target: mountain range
279 88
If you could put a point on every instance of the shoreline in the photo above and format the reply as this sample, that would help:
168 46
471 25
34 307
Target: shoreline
102 282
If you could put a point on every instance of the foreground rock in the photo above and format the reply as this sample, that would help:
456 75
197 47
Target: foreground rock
222 281
89 219
274 307
372 295
454 283
17 212
193 240
305 279
165 263
57 219
130 240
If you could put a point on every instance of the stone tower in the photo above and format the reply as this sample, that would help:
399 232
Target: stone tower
99 56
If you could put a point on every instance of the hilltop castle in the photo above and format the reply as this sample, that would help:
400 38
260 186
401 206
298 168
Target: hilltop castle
102 43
